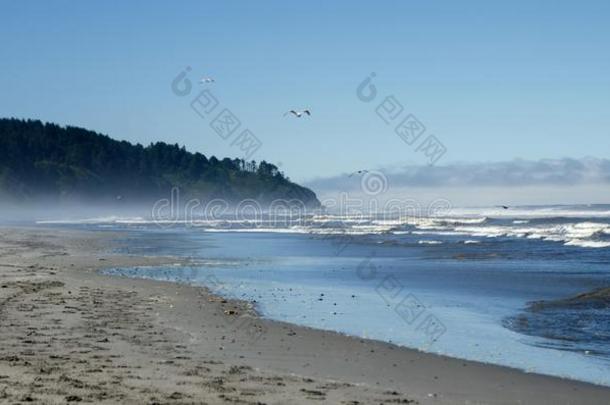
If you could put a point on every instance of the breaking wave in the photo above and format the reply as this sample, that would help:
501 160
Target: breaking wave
581 226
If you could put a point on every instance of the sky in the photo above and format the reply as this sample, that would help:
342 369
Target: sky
491 81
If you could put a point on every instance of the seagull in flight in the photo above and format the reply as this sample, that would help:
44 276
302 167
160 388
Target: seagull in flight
505 206
298 114
206 80
358 172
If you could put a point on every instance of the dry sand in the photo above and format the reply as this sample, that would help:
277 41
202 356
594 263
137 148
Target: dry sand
70 334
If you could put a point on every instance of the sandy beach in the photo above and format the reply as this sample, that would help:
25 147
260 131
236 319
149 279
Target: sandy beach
71 334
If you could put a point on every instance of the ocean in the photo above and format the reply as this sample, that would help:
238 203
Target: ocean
465 283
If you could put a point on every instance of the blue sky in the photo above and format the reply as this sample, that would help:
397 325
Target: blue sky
493 81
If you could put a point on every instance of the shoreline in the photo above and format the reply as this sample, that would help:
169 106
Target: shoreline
254 311
301 364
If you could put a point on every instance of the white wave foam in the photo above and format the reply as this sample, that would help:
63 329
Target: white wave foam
430 242
460 223
577 233
585 229
532 212
587 243
444 233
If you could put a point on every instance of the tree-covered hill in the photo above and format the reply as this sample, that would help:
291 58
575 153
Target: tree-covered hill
46 160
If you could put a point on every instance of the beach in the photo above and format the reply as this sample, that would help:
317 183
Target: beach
72 334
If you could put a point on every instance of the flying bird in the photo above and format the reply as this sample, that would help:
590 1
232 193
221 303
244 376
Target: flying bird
206 80
358 172
298 114
505 206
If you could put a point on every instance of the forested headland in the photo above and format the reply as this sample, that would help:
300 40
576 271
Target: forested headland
45 160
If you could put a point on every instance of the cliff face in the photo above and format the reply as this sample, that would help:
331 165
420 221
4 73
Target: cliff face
67 163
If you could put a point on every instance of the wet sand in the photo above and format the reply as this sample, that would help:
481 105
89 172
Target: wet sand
70 334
